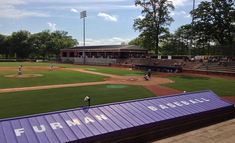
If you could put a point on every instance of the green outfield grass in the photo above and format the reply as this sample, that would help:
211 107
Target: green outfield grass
100 69
16 64
222 87
33 102
49 78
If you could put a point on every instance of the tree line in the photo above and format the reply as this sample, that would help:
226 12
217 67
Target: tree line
212 31
42 45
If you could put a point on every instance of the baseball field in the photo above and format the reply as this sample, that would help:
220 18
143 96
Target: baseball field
42 88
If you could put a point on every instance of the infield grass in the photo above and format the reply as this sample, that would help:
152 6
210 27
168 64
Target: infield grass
114 71
48 78
222 87
40 101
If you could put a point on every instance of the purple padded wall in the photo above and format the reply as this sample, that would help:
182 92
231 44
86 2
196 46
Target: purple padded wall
110 119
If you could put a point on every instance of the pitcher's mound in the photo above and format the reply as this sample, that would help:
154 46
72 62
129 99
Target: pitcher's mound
23 75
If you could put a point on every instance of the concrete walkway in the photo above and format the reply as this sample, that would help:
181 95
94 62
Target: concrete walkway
219 133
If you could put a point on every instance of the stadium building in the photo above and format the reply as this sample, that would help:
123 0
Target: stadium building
101 55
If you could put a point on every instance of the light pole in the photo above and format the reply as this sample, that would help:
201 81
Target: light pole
192 24
83 16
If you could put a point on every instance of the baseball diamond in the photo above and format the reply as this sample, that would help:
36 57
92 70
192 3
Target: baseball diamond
117 71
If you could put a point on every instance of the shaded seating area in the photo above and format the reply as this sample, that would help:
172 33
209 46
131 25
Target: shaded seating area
228 67
168 69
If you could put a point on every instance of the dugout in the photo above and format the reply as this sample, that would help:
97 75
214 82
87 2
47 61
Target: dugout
131 121
169 69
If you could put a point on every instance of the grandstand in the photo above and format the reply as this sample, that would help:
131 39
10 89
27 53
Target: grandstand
196 66
134 56
101 55
230 68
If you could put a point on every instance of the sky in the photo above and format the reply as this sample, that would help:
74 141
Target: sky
107 21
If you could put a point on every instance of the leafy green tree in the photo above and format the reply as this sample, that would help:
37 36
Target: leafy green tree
156 18
137 41
203 26
214 23
19 44
60 39
168 45
6 49
183 35
173 45
2 44
223 12
47 44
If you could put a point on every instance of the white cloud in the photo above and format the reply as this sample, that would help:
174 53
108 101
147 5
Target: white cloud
74 1
111 41
180 2
74 10
188 16
181 13
52 26
12 12
72 5
96 7
116 39
12 2
108 17
178 13
128 7
140 16
8 9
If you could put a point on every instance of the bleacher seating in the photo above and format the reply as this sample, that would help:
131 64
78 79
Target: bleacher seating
192 65
152 62
196 65
230 67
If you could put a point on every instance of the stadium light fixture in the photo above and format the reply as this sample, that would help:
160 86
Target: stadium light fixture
83 16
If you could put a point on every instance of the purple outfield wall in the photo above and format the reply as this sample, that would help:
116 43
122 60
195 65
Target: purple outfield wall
111 121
